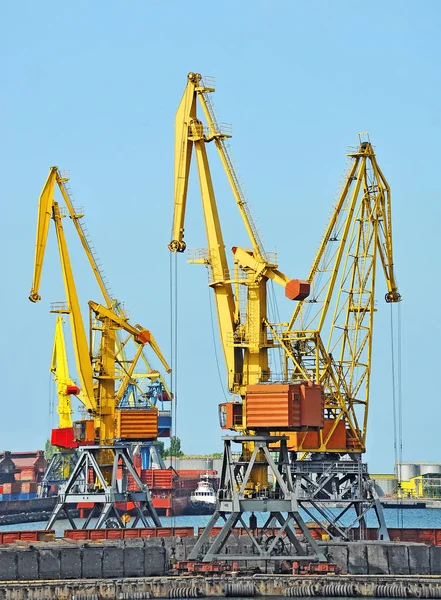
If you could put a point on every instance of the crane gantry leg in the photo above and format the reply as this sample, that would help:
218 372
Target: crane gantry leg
337 495
88 483
277 537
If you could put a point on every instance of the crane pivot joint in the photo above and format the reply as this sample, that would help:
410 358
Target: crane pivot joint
393 297
177 246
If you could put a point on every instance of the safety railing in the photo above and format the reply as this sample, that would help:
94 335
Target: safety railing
208 81
59 307
216 129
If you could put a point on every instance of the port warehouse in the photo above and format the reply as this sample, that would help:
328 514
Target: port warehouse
411 480
20 474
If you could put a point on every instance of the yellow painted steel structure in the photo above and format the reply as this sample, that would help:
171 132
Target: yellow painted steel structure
343 275
245 341
357 238
98 373
242 321
60 370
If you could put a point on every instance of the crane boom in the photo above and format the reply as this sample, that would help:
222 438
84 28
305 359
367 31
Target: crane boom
48 209
140 334
189 132
44 218
358 235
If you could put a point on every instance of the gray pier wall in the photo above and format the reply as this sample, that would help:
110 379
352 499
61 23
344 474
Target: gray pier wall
62 560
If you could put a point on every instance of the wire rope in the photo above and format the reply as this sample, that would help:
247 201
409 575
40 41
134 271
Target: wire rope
215 346
400 403
275 318
397 405
173 300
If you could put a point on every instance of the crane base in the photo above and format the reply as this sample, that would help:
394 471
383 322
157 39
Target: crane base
337 495
94 481
277 537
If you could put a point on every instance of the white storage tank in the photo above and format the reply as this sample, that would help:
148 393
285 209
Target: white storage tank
406 471
384 485
427 468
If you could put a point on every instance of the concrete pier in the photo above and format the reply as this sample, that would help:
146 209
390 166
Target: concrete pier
133 569
225 586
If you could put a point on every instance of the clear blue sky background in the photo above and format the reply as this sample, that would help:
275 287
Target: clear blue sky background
93 87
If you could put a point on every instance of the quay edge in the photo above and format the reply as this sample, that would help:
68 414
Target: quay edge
367 586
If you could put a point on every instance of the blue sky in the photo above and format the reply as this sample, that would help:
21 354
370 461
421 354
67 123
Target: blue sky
93 88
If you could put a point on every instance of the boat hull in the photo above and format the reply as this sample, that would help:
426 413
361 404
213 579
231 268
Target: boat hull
199 508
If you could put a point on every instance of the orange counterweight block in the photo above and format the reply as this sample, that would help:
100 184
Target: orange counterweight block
137 423
333 437
277 407
285 406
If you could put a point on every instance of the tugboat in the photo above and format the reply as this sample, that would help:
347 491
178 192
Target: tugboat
203 499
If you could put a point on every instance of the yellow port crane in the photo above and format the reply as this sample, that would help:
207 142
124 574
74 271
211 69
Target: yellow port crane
97 374
319 403
266 406
244 329
338 355
106 449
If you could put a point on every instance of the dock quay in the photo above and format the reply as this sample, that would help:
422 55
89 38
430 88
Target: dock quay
367 586
135 568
